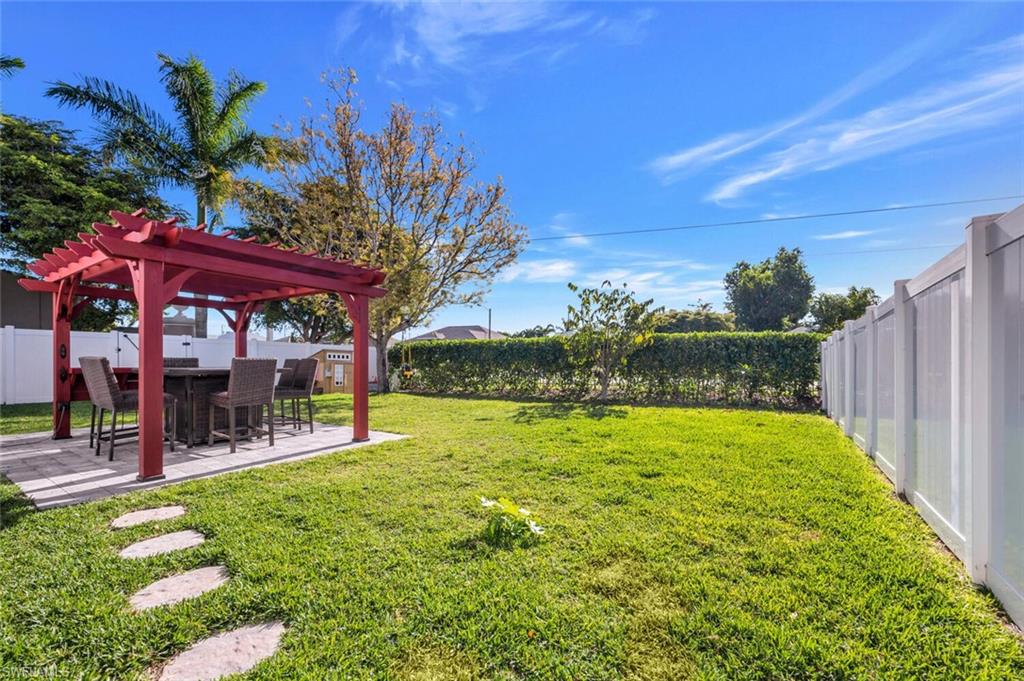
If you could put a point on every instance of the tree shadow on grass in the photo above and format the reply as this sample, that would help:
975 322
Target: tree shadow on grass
533 413
14 505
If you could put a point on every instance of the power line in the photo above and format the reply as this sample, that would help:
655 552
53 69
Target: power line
756 221
881 250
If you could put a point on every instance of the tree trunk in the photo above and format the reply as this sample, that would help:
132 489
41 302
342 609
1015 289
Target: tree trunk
380 344
200 312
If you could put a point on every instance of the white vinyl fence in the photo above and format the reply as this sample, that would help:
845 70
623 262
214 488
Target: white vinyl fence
930 384
26 372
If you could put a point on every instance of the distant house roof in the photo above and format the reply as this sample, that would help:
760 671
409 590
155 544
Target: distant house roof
459 333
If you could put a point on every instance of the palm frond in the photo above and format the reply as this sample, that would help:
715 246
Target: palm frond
244 148
129 127
235 100
8 65
192 91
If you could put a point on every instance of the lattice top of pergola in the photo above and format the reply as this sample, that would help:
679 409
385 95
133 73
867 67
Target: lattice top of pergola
239 272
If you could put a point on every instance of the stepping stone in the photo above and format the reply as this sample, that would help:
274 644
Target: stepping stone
165 543
179 587
232 652
147 516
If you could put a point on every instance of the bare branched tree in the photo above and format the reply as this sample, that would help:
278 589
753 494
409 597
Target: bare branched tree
402 199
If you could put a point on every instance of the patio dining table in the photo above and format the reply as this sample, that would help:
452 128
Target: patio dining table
193 386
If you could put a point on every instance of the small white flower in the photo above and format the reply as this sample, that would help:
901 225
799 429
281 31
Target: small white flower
523 511
487 503
535 528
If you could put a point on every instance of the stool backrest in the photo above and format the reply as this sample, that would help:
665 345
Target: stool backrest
286 377
100 381
305 375
251 381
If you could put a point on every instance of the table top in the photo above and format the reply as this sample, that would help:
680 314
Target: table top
196 371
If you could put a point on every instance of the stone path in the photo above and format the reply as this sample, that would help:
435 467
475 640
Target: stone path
146 516
231 652
165 543
177 588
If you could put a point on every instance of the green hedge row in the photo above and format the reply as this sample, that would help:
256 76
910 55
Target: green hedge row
779 369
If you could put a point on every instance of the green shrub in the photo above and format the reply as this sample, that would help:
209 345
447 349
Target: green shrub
509 525
771 368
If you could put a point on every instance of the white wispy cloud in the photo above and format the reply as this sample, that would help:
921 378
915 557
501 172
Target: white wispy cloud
848 234
468 36
675 166
554 270
987 93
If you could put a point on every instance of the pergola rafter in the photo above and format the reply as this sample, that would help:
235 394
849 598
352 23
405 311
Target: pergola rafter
155 262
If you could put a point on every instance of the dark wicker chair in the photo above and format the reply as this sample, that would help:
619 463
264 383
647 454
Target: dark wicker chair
182 362
250 385
301 389
285 381
107 396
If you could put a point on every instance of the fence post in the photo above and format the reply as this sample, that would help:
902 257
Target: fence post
903 385
849 384
822 364
9 384
871 387
978 386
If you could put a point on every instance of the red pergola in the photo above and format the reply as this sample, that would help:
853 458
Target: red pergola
153 262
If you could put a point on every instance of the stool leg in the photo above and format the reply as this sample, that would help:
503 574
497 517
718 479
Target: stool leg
231 427
113 433
309 405
92 425
99 433
270 424
209 427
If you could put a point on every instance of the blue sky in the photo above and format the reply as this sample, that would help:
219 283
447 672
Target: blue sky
604 117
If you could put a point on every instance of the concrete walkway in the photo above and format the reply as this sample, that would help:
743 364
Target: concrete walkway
62 472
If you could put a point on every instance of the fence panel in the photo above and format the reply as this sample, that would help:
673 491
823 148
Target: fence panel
26 374
939 403
938 453
885 427
860 384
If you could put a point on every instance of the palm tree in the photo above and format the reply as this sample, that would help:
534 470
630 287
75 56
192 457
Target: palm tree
201 151
208 145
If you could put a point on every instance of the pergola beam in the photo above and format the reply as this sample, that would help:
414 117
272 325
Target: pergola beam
122 294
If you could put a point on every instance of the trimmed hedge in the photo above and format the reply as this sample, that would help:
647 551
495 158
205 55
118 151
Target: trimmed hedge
779 369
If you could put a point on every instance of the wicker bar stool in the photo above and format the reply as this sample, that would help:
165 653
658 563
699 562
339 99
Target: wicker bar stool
251 384
181 362
301 389
105 395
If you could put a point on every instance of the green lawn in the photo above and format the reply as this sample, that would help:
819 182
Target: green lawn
680 543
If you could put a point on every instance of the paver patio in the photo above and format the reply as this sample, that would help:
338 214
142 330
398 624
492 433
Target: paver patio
62 472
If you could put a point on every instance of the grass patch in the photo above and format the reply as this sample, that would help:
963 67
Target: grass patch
679 543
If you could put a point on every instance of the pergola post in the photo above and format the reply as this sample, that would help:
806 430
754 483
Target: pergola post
62 362
241 329
359 311
149 292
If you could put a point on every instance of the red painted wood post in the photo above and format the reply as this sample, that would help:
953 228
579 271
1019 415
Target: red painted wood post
359 312
241 337
149 291
61 365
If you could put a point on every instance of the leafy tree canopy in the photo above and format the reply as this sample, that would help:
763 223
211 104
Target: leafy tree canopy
607 326
771 295
52 188
700 318
828 311
402 198
536 332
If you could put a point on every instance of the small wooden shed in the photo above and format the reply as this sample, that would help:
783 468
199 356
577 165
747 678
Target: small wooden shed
336 371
